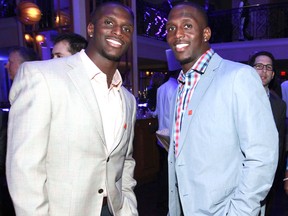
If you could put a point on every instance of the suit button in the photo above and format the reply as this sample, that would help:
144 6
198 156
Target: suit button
108 159
100 191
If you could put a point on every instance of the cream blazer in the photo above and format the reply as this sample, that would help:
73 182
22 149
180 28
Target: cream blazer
57 161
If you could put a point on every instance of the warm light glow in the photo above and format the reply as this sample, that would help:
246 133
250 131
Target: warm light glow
147 73
28 13
28 38
57 20
40 38
33 13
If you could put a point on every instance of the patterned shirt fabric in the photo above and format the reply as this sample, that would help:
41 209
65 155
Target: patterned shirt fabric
187 83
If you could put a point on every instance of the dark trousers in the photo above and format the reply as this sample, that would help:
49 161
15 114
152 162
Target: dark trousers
6 205
105 211
162 180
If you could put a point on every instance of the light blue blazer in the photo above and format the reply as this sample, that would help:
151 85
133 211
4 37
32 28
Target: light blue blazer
228 148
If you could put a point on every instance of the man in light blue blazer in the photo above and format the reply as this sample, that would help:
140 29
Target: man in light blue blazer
223 151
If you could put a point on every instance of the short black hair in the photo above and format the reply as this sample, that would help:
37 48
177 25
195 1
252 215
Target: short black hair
252 59
93 16
198 7
27 54
76 41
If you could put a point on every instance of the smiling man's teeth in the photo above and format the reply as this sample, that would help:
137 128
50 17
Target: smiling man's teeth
179 46
114 42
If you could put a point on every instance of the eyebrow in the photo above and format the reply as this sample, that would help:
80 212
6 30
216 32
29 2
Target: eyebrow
115 18
57 53
262 63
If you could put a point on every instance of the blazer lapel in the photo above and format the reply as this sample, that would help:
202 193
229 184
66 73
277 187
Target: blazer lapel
198 94
83 85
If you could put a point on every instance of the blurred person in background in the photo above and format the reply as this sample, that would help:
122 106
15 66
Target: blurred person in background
67 44
18 55
264 64
156 80
164 105
244 20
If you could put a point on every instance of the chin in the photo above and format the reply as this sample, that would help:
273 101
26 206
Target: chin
111 57
185 61
114 58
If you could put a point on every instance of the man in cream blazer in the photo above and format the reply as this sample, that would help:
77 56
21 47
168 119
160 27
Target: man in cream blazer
58 160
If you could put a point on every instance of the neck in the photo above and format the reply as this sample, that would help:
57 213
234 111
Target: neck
105 65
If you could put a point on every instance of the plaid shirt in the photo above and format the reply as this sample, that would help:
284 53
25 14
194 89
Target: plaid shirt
187 83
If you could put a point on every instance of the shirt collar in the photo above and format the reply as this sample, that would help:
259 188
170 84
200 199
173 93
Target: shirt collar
117 80
199 66
93 71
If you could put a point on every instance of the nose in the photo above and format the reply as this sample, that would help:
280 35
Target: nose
117 30
264 69
179 33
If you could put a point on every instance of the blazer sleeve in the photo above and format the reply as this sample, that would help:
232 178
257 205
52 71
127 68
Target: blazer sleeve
28 129
258 140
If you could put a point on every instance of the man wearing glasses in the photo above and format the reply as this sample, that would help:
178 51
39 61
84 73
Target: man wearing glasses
263 62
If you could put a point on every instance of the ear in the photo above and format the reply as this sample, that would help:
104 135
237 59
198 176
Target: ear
90 29
206 34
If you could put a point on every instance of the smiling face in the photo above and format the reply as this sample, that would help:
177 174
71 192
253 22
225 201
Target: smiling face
266 74
187 34
111 31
